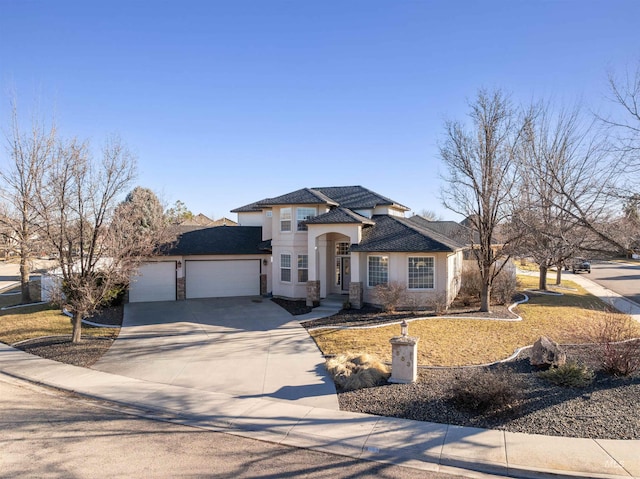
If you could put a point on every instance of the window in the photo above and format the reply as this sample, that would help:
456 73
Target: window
378 269
303 214
285 268
421 273
285 219
342 249
303 268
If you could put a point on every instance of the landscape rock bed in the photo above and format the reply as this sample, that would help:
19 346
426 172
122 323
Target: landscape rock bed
607 409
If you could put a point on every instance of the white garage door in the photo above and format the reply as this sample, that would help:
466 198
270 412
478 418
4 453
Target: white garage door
154 282
215 279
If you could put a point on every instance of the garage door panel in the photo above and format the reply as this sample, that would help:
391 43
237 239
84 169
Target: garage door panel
216 279
154 282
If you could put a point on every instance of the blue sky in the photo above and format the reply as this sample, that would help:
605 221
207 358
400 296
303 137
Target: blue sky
228 102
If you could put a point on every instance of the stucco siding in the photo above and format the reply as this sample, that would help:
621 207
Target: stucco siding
398 272
250 218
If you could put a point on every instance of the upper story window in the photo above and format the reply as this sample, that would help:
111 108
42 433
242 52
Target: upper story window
285 219
421 272
303 214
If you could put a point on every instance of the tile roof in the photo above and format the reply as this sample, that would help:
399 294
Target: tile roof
396 234
352 197
357 197
219 240
339 216
250 208
305 196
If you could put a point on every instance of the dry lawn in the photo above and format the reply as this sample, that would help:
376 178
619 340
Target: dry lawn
42 320
457 342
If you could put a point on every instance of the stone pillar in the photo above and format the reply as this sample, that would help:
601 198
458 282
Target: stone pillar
180 291
263 284
313 293
355 294
404 362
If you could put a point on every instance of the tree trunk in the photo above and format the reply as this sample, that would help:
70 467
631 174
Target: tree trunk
485 298
24 280
542 284
559 274
76 321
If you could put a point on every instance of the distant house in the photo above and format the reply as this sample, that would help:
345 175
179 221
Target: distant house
199 222
309 244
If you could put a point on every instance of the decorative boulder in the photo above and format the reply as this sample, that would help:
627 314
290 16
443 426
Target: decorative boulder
547 353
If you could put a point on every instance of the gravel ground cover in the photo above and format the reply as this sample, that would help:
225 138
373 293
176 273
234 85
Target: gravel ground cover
607 409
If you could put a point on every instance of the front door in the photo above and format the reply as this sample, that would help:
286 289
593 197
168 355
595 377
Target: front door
346 273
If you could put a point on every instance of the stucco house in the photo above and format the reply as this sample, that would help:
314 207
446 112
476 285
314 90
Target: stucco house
308 244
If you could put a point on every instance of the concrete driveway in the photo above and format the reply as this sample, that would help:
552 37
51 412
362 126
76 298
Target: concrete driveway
245 347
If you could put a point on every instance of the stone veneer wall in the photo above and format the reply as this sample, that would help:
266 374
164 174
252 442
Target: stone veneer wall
180 286
263 284
313 293
355 294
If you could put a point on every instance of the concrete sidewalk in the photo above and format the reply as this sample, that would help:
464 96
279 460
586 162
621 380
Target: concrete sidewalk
422 445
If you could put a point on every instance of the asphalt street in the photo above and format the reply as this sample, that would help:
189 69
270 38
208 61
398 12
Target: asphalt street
623 278
48 433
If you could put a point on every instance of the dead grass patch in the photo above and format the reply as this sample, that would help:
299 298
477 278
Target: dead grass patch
42 320
457 342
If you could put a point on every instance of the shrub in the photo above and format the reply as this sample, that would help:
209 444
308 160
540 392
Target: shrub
357 371
390 295
438 302
485 390
504 286
619 346
570 375
471 286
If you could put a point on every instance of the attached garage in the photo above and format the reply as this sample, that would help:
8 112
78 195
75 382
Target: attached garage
222 278
154 282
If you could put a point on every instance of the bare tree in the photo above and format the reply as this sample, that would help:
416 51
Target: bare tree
480 175
625 92
97 249
554 153
29 157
